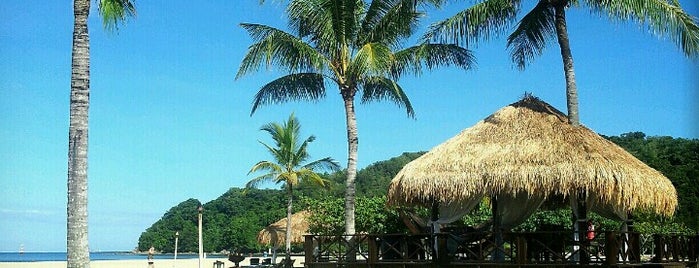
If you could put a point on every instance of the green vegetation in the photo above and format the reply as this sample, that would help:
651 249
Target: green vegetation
677 159
233 220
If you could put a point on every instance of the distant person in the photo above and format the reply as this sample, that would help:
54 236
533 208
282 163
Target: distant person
590 230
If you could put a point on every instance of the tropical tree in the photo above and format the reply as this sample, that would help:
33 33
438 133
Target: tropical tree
112 12
548 18
353 44
287 167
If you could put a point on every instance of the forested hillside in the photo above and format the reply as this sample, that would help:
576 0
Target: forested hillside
231 222
677 159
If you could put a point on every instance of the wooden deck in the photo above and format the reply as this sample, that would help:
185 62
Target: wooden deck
482 249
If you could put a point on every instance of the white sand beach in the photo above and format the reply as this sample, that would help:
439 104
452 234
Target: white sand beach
158 263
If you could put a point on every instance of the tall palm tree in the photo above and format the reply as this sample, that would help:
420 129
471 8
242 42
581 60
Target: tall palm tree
112 12
491 17
288 166
353 44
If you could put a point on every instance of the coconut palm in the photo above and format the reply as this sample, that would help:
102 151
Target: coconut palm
353 44
287 167
112 12
488 18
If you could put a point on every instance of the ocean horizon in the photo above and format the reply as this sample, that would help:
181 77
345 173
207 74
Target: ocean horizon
94 256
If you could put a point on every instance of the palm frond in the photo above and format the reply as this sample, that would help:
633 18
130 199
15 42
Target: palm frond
266 166
301 154
115 11
272 150
274 47
388 22
327 163
431 56
482 21
533 30
273 172
330 24
664 18
293 87
381 88
311 176
288 178
372 59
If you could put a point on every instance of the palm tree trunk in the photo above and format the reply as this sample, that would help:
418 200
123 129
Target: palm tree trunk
563 43
78 253
352 143
288 224
573 116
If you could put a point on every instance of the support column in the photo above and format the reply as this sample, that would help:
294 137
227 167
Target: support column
499 254
581 227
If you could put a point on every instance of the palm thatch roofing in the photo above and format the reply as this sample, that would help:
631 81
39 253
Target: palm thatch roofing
275 233
529 146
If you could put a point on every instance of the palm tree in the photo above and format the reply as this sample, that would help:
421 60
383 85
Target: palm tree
287 167
356 46
492 17
112 12
548 17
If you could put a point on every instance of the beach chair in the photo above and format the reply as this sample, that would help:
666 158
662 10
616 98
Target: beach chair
255 262
285 264
266 262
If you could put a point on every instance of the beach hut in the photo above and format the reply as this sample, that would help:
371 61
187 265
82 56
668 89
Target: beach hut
274 235
522 154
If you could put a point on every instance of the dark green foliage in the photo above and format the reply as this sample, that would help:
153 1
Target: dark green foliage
232 221
374 179
677 159
373 217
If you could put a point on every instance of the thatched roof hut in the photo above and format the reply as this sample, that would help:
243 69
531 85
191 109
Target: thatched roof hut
529 147
275 233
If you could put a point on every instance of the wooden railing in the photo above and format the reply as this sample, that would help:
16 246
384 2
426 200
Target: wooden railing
675 248
559 247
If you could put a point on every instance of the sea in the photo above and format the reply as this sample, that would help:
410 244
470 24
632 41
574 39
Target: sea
94 256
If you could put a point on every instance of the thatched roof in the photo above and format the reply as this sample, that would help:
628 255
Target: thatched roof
275 233
530 146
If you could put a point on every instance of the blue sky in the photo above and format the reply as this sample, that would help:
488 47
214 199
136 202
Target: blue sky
169 122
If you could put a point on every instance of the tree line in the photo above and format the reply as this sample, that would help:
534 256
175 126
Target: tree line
232 221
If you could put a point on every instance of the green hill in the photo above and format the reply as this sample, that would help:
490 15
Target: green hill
231 222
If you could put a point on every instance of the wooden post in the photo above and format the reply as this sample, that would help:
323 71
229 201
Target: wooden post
436 247
634 241
373 250
694 248
581 221
675 247
521 241
442 256
499 254
309 249
659 250
611 248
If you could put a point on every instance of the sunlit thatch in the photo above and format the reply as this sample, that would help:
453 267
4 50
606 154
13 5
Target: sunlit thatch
275 233
530 146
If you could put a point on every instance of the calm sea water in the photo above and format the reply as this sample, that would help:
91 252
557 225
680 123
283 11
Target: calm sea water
95 256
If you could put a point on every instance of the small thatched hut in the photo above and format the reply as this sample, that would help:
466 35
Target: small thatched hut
527 151
275 234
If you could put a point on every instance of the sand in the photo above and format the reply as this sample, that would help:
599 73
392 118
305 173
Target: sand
158 263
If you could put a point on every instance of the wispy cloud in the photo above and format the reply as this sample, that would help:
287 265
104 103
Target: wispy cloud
28 212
